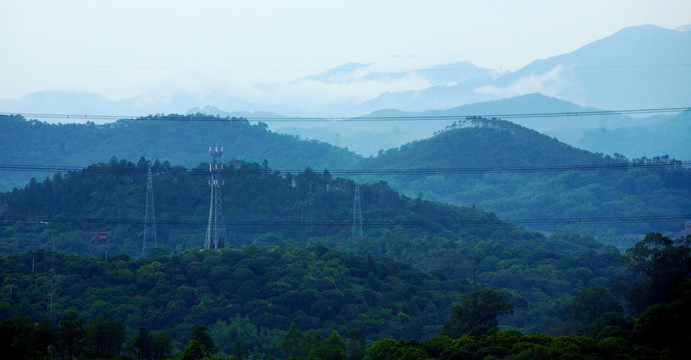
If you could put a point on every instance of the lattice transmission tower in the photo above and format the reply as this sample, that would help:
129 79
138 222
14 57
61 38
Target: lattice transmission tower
149 240
357 213
216 230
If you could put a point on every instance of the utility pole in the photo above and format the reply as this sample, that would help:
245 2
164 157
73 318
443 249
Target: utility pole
216 230
357 213
149 216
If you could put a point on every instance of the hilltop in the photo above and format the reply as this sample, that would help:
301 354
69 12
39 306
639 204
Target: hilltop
529 197
581 187
179 139
99 211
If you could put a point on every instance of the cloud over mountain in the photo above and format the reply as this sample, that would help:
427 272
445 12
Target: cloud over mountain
637 67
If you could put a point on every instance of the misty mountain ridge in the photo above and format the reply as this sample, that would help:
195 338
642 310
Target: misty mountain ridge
554 194
606 74
180 139
661 135
637 67
593 132
449 74
526 195
606 134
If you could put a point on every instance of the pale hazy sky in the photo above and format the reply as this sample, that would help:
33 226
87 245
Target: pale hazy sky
124 48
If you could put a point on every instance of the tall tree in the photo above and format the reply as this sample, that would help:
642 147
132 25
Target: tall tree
332 348
593 302
71 335
200 333
666 264
142 344
355 345
477 310
292 342
105 337
193 351
161 344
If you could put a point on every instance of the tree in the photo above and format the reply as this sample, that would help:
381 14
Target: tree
104 337
193 351
665 262
239 351
71 335
593 302
477 310
661 324
292 341
200 333
18 339
161 344
332 348
381 350
46 335
355 345
142 344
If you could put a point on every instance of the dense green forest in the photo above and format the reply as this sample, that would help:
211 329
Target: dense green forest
99 211
547 180
547 185
318 303
425 279
106 201
179 139
661 290
254 294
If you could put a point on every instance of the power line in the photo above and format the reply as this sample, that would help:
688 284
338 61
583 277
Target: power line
321 69
421 117
366 171
347 224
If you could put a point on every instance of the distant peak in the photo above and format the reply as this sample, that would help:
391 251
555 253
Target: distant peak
647 28
683 28
339 73
459 65
352 66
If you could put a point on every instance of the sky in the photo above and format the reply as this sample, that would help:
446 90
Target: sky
121 49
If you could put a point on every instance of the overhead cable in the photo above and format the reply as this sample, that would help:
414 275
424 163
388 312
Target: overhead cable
46 220
372 118
354 172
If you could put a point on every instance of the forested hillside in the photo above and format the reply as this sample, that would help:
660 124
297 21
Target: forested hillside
107 200
99 211
522 176
180 139
270 274
526 177
249 297
318 303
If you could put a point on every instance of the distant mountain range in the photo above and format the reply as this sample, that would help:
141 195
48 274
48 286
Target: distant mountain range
182 140
637 67
608 134
634 137
585 185
40 149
